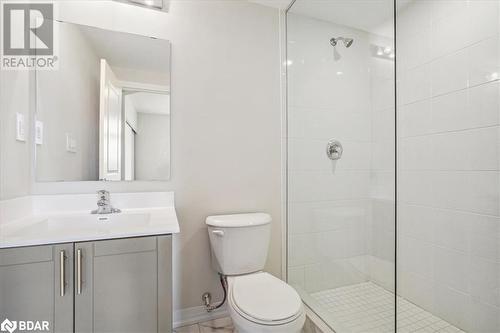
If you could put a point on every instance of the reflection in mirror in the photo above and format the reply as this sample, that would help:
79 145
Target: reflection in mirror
105 113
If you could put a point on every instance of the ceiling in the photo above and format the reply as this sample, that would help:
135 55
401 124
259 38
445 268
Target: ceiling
129 51
367 15
281 4
151 103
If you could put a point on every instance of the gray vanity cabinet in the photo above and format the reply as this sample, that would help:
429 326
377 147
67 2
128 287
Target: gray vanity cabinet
116 286
123 285
36 285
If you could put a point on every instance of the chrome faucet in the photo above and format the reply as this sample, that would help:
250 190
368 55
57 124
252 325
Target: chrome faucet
104 205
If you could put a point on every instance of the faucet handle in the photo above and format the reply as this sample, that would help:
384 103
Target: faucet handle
103 194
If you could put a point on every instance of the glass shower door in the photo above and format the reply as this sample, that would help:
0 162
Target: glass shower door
341 206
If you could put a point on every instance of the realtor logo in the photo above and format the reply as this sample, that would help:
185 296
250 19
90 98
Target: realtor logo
24 326
8 326
28 31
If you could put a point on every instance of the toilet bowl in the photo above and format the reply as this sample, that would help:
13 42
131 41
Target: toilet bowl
261 303
257 301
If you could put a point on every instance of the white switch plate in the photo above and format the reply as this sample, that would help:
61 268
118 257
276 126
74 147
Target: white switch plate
39 132
70 143
20 127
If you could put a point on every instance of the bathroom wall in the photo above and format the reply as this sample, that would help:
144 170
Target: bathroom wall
449 203
152 146
15 156
329 210
78 110
226 122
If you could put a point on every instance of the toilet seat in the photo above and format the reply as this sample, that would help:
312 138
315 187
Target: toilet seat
263 299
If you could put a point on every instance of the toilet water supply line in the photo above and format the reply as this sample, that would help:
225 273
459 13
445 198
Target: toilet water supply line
207 298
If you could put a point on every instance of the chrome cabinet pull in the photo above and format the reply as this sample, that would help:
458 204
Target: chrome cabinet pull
62 274
79 271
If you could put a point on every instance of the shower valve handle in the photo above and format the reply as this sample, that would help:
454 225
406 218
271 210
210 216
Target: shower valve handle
334 150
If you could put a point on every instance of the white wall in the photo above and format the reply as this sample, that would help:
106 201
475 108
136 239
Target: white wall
225 121
68 102
15 156
449 252
152 146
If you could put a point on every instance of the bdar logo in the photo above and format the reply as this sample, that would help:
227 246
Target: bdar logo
8 326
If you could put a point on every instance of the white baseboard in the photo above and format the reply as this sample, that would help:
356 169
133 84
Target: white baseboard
197 314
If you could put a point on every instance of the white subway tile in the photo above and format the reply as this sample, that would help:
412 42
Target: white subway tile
484 19
451 268
449 27
449 73
415 118
452 306
448 112
415 85
466 150
484 61
471 191
312 186
485 281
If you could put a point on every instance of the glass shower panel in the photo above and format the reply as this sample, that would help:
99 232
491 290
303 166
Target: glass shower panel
341 211
448 165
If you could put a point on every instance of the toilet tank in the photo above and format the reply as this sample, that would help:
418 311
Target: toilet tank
239 242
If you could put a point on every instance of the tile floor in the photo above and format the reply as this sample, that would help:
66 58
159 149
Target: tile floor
222 325
366 307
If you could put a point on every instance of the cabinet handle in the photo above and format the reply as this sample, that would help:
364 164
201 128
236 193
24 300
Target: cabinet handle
62 270
79 271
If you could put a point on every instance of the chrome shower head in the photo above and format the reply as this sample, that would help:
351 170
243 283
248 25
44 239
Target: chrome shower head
347 41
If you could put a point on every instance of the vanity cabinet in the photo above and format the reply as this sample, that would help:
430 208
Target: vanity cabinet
31 287
119 285
123 285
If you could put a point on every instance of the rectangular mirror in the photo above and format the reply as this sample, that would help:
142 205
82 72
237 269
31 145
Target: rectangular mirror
104 114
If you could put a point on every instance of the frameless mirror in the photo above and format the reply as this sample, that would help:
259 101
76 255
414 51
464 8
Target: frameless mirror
104 114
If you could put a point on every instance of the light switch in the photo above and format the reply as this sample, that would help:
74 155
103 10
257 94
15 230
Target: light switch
39 132
70 143
20 127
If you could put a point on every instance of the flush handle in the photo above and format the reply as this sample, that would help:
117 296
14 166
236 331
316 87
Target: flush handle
219 233
334 150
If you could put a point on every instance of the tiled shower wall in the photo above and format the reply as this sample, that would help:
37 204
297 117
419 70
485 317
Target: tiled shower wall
448 95
341 222
329 98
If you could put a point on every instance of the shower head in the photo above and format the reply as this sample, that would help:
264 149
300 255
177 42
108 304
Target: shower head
347 41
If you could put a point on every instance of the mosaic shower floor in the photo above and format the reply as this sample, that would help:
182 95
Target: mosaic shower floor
369 308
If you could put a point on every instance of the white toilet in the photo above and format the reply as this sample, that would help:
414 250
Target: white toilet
257 301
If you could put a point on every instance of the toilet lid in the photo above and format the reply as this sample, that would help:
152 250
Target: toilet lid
265 298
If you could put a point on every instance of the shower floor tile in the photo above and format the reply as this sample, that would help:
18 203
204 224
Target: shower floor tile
369 308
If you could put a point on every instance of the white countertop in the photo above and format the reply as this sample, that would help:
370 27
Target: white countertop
45 224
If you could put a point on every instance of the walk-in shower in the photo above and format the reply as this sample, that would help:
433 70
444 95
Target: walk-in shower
404 233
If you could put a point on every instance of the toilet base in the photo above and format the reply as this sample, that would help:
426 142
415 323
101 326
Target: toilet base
243 325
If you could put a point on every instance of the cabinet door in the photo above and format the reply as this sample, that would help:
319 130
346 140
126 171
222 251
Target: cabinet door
125 285
30 285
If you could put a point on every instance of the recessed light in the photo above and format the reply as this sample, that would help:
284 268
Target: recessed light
149 2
